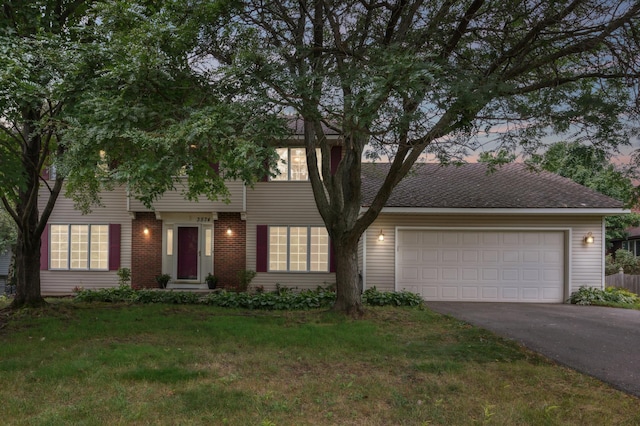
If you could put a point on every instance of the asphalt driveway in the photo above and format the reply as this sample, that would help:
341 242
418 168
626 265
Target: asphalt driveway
601 342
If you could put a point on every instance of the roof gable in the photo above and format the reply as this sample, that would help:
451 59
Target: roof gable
514 185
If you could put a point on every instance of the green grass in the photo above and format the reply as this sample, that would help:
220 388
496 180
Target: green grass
99 364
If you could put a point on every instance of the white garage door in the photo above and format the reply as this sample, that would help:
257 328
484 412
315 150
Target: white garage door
487 266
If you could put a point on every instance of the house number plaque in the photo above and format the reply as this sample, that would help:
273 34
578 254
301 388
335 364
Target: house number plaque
203 219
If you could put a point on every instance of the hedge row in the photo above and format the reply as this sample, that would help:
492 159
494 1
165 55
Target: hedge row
281 299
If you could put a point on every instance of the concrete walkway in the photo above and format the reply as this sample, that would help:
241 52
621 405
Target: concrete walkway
601 342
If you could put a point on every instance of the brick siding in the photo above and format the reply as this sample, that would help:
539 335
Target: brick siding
230 251
146 250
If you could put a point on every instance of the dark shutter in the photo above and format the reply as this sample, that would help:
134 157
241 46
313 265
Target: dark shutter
114 246
262 247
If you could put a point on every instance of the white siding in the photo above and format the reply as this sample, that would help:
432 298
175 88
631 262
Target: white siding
282 203
584 262
112 211
174 201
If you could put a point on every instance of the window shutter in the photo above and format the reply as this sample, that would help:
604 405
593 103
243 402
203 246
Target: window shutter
44 249
336 156
45 173
114 246
216 167
332 258
262 247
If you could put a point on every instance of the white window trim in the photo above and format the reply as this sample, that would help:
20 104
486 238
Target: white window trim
68 226
288 261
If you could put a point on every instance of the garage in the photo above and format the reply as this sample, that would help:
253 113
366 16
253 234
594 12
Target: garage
482 265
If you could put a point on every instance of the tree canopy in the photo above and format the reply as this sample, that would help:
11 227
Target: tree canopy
119 91
105 92
592 167
412 77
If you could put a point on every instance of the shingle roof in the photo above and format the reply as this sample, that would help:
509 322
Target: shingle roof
470 186
296 124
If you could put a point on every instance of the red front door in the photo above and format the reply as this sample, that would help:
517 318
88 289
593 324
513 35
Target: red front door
187 253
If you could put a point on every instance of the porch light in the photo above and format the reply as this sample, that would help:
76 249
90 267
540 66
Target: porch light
381 236
229 231
589 239
146 231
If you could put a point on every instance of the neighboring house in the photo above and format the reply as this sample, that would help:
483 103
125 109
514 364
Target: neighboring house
448 233
5 260
630 243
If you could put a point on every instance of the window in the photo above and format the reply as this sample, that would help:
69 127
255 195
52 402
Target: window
292 164
298 249
633 246
79 247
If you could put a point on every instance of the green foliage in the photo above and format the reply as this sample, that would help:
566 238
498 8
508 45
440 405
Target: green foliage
373 297
591 166
245 276
596 296
211 280
169 297
8 234
115 294
622 259
124 276
281 299
163 280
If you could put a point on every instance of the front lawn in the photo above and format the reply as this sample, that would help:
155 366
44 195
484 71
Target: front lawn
76 363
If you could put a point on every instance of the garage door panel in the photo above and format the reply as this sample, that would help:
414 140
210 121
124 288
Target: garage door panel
429 274
510 293
515 266
450 256
410 274
531 257
429 255
470 275
490 275
470 256
470 293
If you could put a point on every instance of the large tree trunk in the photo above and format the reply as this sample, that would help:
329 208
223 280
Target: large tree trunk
348 297
27 272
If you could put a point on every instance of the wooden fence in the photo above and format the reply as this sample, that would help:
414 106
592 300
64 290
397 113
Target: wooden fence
630 282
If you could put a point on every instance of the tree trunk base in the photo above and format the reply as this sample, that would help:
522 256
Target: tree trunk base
355 311
31 303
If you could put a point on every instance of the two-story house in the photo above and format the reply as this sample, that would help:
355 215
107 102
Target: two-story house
448 233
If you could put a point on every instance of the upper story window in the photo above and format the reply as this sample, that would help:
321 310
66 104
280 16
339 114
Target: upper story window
292 165
79 247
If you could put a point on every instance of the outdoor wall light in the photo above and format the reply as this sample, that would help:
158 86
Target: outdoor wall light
229 231
589 239
146 231
381 236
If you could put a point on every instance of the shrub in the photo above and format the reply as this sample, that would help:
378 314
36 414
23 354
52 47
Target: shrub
245 277
373 297
124 276
116 294
596 296
282 299
622 258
